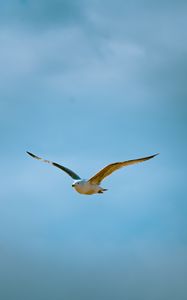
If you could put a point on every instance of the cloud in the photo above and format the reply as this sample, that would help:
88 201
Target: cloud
106 52
110 274
39 15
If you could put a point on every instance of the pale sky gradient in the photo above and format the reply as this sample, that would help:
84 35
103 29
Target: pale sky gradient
85 85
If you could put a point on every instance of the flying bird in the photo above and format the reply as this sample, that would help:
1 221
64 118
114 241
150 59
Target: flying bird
92 185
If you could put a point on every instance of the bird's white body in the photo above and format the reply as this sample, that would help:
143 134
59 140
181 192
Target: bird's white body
86 188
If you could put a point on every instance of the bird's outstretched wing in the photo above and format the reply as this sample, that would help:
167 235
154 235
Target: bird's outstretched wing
68 171
97 178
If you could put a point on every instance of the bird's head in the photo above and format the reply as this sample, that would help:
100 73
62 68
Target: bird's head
77 183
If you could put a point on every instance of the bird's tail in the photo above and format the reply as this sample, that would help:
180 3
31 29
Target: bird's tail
102 190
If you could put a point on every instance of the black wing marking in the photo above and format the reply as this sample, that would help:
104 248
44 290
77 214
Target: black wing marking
68 171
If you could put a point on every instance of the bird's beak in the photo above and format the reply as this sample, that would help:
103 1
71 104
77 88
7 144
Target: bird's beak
73 185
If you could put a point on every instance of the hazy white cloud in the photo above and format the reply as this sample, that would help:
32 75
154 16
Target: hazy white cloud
104 52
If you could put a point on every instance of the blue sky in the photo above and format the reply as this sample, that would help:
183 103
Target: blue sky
86 84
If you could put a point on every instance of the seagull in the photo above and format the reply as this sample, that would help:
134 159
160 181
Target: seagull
92 185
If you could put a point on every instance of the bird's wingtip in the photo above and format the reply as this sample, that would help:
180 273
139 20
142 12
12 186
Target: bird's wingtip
157 153
30 153
152 156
